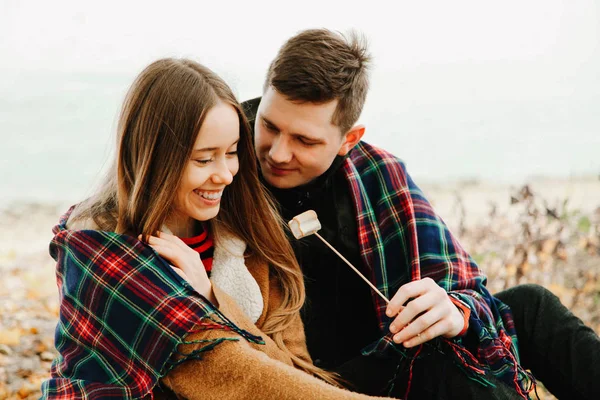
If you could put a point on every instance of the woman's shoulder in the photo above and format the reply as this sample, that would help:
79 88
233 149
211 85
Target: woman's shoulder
80 224
73 220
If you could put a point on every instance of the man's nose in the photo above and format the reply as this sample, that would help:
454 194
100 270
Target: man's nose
280 151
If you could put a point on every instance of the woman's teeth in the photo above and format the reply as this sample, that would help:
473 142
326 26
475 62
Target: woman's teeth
210 195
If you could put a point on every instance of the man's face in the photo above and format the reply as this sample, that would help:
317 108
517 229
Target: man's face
295 142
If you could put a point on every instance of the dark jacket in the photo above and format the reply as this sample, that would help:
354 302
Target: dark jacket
336 296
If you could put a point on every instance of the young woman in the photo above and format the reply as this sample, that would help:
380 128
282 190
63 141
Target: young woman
176 277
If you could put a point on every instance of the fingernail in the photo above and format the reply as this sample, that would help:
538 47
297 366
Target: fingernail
397 339
393 328
389 313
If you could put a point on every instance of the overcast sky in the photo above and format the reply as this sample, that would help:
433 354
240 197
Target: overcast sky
490 83
244 35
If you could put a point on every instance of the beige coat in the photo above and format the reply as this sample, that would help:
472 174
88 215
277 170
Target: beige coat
239 369
243 370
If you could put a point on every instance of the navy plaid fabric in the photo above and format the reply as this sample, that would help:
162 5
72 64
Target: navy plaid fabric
402 239
123 313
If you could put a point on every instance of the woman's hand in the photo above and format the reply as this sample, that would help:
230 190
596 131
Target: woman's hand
185 261
429 314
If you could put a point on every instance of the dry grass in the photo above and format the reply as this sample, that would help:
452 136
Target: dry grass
536 242
528 241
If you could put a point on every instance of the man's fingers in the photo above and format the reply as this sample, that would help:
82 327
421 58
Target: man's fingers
428 334
419 325
413 311
410 290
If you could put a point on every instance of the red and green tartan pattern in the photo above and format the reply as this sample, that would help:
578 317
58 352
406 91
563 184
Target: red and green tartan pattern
402 239
123 313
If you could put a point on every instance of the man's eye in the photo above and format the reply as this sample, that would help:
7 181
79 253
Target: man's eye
268 126
308 144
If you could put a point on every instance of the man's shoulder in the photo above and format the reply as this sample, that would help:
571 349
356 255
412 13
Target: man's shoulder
381 174
250 108
365 153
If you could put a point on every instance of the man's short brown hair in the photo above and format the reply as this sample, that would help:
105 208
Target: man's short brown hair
317 66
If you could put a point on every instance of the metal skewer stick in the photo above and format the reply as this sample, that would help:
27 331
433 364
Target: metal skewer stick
353 267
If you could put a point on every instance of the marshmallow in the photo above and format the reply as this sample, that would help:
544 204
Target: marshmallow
305 224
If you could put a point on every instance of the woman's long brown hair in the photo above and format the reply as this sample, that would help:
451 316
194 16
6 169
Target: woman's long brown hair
157 129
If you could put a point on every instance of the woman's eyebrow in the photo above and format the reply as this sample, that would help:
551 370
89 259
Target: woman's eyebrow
207 149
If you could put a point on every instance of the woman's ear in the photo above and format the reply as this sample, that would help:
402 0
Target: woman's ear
351 138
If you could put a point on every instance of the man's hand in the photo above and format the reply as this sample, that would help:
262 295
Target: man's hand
429 313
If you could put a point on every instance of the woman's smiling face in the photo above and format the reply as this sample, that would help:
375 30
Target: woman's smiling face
211 167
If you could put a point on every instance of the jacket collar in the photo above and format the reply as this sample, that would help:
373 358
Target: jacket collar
313 189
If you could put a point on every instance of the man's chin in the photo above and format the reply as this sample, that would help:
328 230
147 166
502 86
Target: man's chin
281 182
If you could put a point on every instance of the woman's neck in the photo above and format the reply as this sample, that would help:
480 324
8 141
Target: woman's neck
183 227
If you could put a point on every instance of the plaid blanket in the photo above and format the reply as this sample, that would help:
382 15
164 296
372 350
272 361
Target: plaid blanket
123 313
402 239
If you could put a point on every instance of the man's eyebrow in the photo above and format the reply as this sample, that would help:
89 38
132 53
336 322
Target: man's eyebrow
269 122
300 135
308 138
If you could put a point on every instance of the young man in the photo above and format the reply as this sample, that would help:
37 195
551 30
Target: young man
442 335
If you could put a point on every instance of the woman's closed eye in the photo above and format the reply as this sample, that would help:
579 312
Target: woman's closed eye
205 161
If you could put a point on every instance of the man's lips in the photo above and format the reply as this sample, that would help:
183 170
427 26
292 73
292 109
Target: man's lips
278 170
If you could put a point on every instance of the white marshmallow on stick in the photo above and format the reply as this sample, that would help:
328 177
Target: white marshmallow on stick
307 224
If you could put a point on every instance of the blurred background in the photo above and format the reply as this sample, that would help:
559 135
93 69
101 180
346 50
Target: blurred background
494 106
